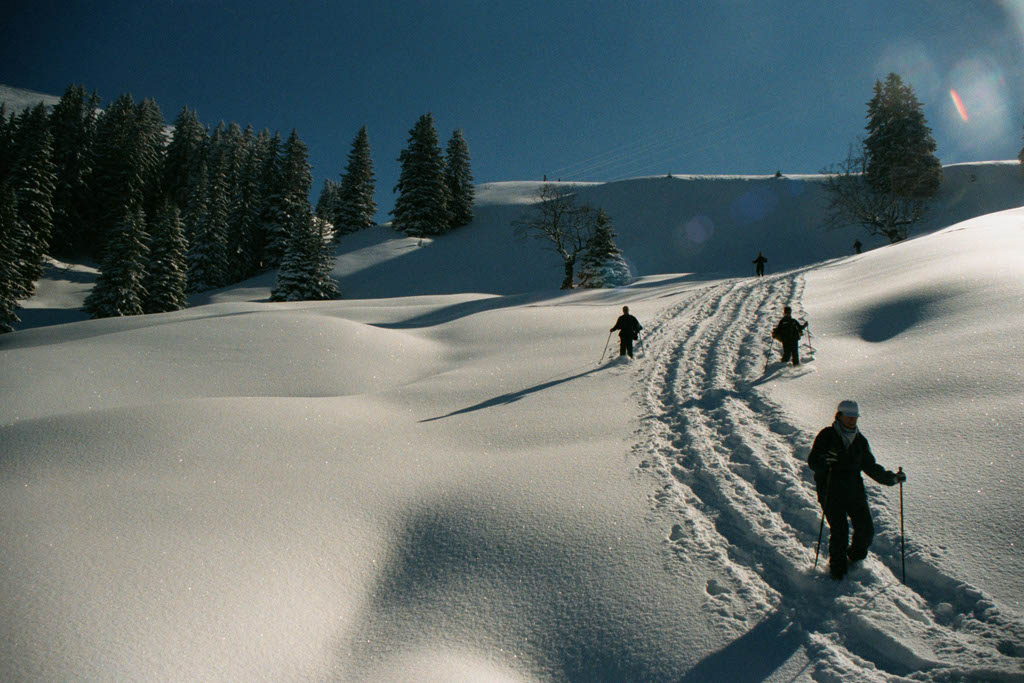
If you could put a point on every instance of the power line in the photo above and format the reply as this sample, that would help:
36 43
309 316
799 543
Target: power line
653 151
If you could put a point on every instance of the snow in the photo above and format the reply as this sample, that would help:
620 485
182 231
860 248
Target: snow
19 99
434 479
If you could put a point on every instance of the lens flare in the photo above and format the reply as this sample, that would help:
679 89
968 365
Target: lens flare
958 103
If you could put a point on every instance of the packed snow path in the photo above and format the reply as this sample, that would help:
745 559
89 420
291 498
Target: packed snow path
733 479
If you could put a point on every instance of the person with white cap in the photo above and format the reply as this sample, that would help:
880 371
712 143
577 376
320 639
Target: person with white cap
839 454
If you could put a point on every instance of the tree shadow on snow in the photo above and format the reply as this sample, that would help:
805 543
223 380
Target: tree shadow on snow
464 569
514 396
883 321
30 318
447 314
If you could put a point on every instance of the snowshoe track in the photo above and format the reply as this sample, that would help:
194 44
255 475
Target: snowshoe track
733 479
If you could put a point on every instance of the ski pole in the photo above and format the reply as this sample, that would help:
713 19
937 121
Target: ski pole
771 350
903 552
605 347
821 526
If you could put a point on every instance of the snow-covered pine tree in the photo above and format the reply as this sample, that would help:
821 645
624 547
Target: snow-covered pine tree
244 218
422 206
119 288
296 178
6 142
459 180
603 265
884 181
184 157
166 273
354 207
323 237
73 125
117 180
33 180
899 149
219 203
308 256
207 252
326 205
273 213
295 181
229 152
305 269
260 156
195 208
9 275
151 142
216 150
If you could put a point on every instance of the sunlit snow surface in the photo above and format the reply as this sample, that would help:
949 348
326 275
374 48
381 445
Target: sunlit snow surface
435 479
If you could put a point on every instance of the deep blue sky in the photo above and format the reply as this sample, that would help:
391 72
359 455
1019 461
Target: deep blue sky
573 90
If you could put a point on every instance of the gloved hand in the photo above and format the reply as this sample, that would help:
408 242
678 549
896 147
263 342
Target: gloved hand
899 477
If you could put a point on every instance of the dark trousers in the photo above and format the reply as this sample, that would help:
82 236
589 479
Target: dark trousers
791 351
759 269
625 345
840 547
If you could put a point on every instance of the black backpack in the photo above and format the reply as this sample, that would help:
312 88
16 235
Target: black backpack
788 327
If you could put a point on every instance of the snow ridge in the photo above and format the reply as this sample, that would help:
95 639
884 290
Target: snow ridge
732 475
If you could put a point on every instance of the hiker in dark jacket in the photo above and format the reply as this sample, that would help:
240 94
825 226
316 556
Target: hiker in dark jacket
629 329
759 264
788 331
839 454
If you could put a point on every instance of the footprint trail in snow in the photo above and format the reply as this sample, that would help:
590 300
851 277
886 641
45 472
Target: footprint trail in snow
733 480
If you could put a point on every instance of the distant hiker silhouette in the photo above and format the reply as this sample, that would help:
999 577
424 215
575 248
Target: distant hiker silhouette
759 263
788 331
839 454
629 329
856 247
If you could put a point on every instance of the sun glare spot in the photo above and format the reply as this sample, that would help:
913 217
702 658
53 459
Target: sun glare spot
978 84
958 103
698 230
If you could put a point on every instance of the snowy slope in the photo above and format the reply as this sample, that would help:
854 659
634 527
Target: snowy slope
928 332
448 486
728 434
18 99
709 225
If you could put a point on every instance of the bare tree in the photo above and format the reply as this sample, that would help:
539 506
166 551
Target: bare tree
560 222
852 201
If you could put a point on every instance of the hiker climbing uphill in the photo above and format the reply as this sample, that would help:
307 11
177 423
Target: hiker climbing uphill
839 454
629 329
759 264
788 331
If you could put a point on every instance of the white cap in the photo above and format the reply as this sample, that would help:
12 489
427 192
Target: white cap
849 408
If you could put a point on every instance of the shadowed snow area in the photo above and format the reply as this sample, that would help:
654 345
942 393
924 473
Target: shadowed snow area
435 479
